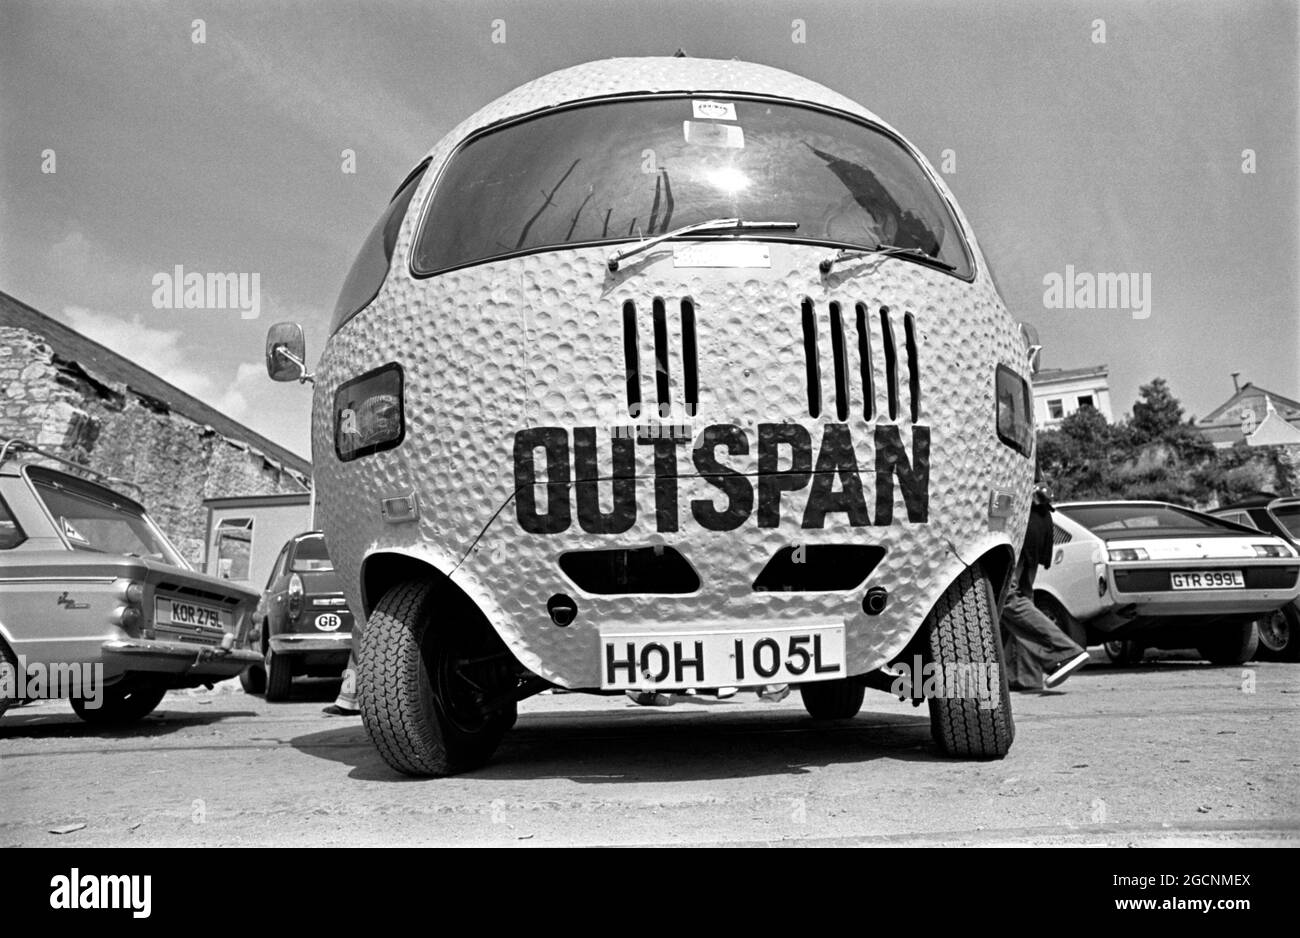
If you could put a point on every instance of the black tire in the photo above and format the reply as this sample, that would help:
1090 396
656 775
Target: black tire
279 676
1125 652
1061 617
8 674
419 707
962 631
253 679
1229 645
121 705
832 700
1279 634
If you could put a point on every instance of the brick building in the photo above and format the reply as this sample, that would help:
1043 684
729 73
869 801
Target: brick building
67 393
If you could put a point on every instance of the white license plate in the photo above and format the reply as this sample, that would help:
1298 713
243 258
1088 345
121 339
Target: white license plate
1208 580
679 660
180 612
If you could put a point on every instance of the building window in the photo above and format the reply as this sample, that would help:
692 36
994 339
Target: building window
1055 410
234 548
1085 400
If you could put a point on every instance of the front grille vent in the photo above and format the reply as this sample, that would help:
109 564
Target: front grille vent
878 372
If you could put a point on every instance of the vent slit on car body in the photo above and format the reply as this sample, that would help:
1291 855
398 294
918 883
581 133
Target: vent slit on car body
811 360
662 384
891 362
690 355
865 364
841 362
913 368
632 359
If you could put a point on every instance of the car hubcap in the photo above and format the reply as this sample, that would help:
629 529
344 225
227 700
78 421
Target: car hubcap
1274 632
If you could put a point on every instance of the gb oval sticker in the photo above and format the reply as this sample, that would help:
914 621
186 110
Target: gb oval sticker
328 622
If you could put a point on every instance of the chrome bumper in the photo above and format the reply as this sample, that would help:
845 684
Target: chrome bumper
294 643
123 655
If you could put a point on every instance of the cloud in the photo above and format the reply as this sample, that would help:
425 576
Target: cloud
160 351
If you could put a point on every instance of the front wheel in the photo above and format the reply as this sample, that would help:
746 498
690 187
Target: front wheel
119 706
1125 652
279 676
1232 645
253 679
1279 633
970 714
832 700
436 692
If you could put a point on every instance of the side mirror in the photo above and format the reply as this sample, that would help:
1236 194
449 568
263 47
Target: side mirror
286 353
1033 347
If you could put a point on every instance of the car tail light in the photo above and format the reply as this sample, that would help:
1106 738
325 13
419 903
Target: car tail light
129 615
1128 554
295 596
1271 550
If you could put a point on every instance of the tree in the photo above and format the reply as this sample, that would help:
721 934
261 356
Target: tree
1155 414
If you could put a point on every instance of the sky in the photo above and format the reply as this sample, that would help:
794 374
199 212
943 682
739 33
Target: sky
226 155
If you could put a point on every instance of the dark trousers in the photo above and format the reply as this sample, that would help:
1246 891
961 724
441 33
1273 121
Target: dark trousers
1030 639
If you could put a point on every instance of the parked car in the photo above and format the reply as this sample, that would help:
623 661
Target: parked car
92 589
303 625
1279 632
1134 575
661 374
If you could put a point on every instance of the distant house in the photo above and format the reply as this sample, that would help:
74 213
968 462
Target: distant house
1059 392
1243 416
67 393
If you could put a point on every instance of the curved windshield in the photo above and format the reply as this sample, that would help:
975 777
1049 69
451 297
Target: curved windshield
311 557
637 168
1119 520
90 522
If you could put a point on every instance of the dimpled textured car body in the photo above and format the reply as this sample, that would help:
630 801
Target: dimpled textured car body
668 373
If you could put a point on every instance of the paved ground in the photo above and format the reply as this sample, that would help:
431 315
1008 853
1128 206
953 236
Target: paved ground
1169 754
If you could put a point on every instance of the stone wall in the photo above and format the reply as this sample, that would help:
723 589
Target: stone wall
177 463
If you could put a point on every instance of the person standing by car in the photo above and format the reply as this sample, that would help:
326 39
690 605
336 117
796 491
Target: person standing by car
1037 653
345 704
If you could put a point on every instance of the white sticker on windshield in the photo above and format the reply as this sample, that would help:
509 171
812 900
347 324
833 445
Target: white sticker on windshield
714 135
713 110
70 532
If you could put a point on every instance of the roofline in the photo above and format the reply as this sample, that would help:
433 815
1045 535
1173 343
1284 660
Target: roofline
254 501
144 383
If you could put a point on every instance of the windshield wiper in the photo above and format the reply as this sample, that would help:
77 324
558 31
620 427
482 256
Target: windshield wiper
715 224
890 250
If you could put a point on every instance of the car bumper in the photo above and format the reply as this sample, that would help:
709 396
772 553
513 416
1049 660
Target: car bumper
294 643
121 656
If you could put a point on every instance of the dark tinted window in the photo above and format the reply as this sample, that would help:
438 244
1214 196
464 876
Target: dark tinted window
370 268
1137 519
1289 517
11 535
636 168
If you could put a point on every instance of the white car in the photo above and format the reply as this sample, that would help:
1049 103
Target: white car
1133 575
